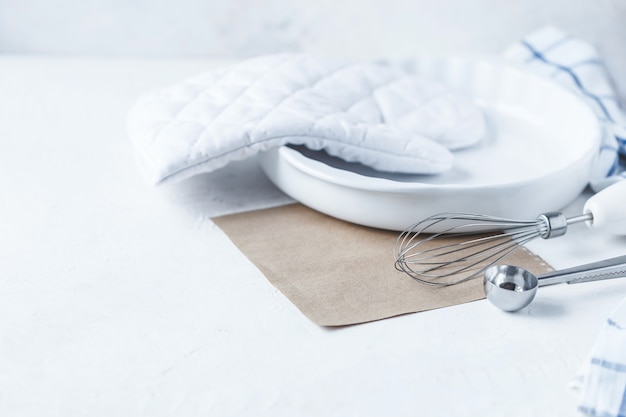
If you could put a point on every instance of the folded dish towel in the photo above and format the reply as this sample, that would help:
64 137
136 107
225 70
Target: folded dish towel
602 379
367 112
577 65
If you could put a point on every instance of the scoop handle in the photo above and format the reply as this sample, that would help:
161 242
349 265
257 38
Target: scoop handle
608 208
595 271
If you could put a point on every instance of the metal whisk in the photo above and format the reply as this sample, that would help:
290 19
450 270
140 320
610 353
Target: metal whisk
460 259
420 253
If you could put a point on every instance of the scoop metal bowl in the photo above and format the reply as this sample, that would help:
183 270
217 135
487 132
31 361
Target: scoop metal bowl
511 288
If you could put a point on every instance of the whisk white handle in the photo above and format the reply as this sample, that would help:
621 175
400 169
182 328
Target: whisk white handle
608 208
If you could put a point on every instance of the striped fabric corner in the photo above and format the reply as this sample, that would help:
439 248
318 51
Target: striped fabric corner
576 65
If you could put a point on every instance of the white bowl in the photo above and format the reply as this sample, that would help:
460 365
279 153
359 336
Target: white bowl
538 154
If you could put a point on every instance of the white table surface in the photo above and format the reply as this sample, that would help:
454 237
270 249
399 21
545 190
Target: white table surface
119 299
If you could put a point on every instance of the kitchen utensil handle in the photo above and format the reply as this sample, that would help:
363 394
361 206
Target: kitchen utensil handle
608 208
595 271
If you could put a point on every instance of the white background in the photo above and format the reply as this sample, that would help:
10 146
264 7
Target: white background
350 28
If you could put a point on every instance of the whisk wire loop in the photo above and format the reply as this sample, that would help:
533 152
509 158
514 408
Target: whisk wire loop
419 254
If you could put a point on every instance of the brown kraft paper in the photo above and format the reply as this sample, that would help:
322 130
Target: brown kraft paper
338 273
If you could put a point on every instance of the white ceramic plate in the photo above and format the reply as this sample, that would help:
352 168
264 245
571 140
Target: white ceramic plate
541 144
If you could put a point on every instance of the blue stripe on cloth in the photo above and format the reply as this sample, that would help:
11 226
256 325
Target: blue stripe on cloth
560 42
611 366
609 97
614 168
593 61
613 323
613 149
622 406
590 411
622 144
572 74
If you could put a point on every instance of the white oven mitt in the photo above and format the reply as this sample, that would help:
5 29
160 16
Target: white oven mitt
372 113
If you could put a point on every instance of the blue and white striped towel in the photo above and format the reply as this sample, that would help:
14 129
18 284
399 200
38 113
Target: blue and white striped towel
602 378
576 65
